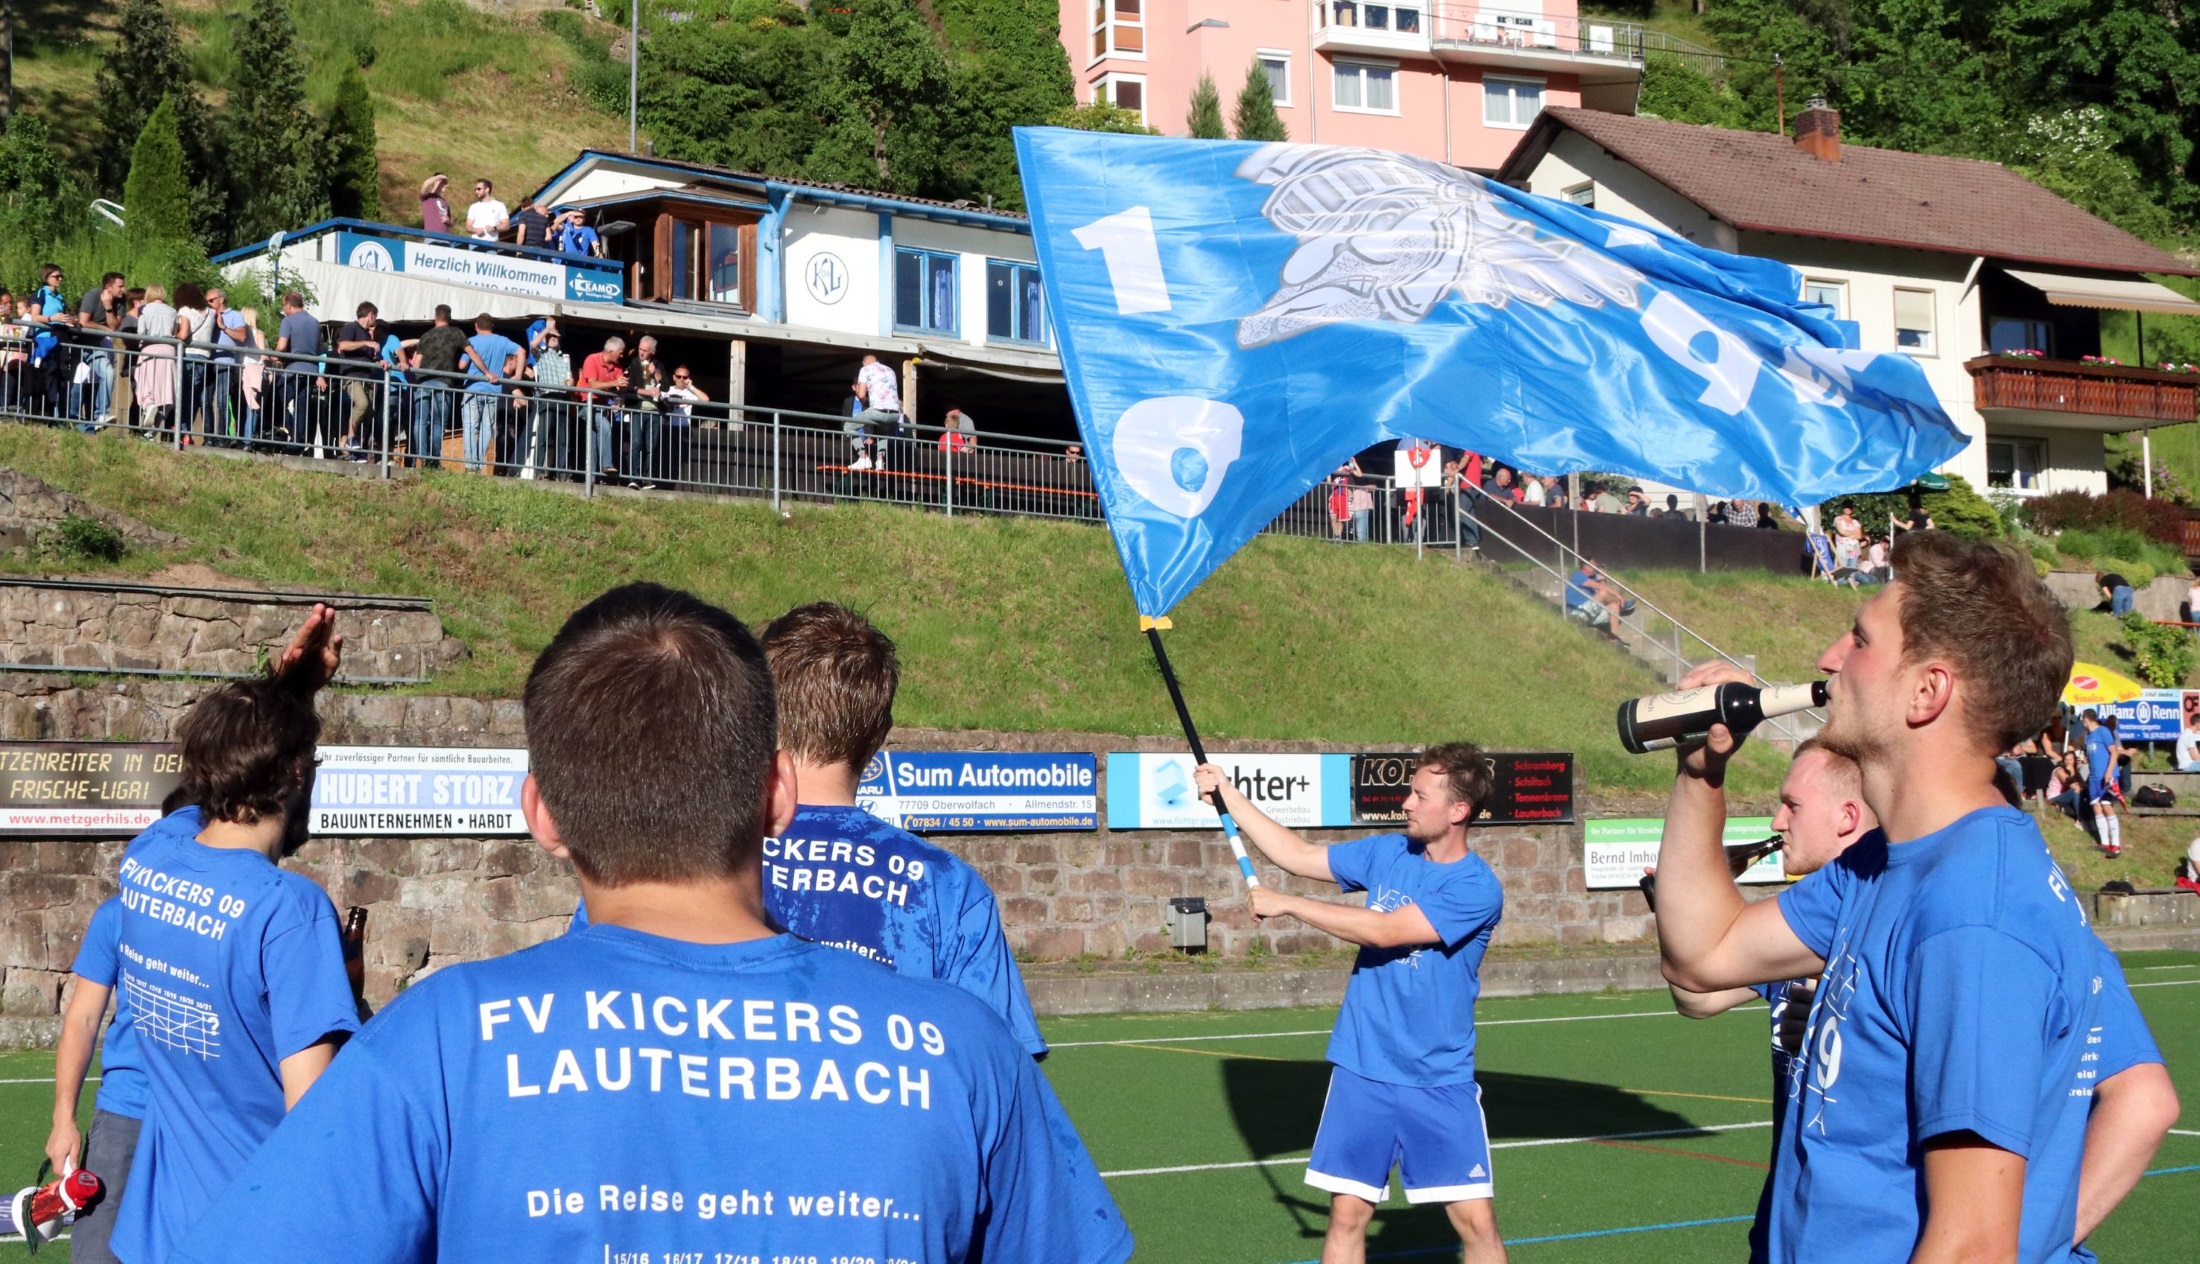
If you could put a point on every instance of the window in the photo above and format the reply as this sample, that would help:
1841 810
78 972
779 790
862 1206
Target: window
1118 28
1278 66
1127 92
1583 195
1511 102
2005 334
924 291
1833 294
1015 306
2014 464
1913 320
701 260
1381 17
1364 87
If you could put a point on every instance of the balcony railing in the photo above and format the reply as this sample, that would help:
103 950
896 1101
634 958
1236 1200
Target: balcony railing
2094 390
1497 27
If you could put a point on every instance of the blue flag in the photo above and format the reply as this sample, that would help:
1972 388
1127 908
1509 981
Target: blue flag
1236 319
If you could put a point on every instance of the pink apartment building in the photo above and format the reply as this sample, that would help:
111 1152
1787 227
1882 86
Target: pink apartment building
1455 81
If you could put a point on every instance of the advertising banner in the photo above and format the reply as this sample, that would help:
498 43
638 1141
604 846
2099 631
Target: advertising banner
1147 791
1615 852
482 269
977 791
2156 715
1532 787
84 789
467 792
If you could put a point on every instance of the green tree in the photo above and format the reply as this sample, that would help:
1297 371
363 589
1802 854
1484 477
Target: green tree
1008 70
1674 89
35 200
354 177
157 194
889 84
274 142
1102 116
1255 117
1204 121
146 63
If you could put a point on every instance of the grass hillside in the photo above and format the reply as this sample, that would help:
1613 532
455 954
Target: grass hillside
456 89
1003 623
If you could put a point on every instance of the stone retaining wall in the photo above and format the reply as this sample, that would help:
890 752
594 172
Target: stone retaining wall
102 629
435 901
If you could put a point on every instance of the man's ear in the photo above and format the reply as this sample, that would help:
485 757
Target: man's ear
1933 694
539 823
781 795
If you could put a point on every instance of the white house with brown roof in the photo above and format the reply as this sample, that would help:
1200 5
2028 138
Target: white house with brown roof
1953 261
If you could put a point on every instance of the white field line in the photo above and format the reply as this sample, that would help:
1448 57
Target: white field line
2183 1132
1501 1145
47 1079
2170 983
1269 1035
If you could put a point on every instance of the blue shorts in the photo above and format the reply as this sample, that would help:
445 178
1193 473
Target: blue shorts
2096 788
1435 1137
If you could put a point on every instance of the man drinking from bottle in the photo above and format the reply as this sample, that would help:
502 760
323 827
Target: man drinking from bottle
1401 1087
1936 1115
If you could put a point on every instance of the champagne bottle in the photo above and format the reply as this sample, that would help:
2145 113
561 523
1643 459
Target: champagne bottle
1664 721
1740 856
354 939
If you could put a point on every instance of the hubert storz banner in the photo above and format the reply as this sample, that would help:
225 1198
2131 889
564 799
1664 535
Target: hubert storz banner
1528 787
976 791
468 792
84 789
1615 852
1148 791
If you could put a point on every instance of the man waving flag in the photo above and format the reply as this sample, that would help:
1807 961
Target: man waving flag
1237 318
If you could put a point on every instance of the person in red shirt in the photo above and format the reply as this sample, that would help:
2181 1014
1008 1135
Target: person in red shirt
602 376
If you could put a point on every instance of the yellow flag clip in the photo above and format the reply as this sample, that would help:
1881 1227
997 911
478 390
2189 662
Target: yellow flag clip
1147 623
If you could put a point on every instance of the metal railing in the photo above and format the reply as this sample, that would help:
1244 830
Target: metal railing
1662 640
1502 26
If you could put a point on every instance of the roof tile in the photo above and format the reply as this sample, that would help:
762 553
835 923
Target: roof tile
1762 182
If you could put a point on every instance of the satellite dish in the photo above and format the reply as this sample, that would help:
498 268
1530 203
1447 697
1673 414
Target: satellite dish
615 227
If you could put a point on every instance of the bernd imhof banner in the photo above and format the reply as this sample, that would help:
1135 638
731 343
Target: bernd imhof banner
1527 787
1147 791
978 791
468 792
84 789
1614 853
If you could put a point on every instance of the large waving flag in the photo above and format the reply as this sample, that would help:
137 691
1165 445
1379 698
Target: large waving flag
1237 319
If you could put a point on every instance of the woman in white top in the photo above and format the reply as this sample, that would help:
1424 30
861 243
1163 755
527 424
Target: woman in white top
195 325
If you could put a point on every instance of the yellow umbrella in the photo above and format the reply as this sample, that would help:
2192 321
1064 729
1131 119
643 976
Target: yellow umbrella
2091 685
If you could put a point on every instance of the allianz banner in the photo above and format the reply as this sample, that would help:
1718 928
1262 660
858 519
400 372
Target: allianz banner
378 791
1529 787
979 791
532 275
1148 791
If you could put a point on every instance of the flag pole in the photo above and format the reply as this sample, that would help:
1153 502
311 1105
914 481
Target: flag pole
1153 628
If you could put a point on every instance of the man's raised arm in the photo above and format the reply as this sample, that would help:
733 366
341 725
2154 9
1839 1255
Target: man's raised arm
1709 937
1280 843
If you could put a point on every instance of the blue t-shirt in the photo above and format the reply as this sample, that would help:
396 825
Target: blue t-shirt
844 878
1408 1015
1957 996
2100 764
230 965
611 1094
2120 1039
50 303
577 240
1778 996
121 1070
494 350
1577 590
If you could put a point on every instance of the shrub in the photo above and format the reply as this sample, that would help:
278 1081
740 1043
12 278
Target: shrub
2164 654
1960 510
91 540
2121 509
2134 556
